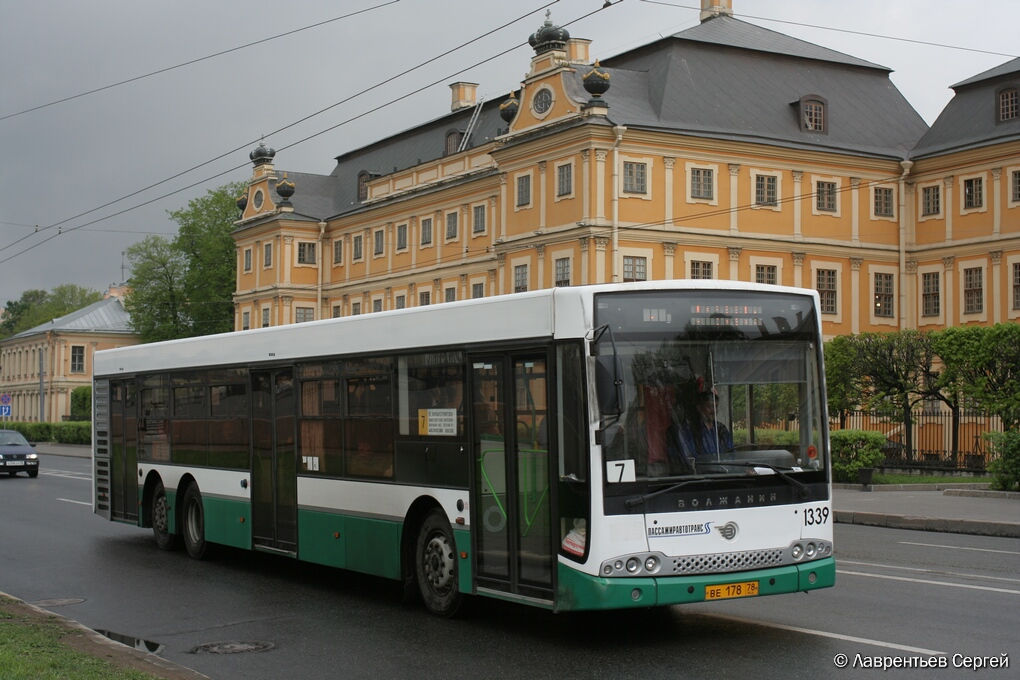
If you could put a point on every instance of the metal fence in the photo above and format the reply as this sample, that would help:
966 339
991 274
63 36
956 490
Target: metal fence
932 441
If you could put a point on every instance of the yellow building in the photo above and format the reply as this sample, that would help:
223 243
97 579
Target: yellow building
55 357
725 151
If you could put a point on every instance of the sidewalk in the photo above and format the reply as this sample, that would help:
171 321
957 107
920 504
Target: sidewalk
921 507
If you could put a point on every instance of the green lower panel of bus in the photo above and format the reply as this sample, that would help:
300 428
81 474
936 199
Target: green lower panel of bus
227 521
582 591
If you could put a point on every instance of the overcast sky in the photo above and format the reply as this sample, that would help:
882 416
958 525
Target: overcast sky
69 158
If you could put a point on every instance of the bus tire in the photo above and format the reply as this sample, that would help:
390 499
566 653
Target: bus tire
193 516
436 565
160 514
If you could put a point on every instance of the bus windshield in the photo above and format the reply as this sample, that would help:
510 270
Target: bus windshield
707 385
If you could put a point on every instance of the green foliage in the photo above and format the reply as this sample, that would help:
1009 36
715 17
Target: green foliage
33 432
36 307
81 403
853 450
984 362
768 437
185 287
70 432
1005 464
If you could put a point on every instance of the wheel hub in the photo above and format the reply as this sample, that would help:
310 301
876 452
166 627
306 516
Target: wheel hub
439 563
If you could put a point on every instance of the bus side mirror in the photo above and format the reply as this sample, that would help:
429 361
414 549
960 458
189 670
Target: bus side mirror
609 384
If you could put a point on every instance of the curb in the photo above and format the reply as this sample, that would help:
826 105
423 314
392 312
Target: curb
951 526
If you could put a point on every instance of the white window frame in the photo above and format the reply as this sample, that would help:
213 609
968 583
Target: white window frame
245 320
267 317
647 253
338 242
446 226
378 301
874 269
921 216
267 255
402 229
297 253
80 369
690 256
378 243
647 161
755 174
484 206
357 243
567 255
397 295
477 281
246 257
756 260
1011 201
556 170
962 183
837 195
531 191
871 208
961 267
421 232
689 169
1011 261
934 319
840 289
514 263
304 309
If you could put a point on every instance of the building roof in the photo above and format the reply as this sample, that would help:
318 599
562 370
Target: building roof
970 119
105 316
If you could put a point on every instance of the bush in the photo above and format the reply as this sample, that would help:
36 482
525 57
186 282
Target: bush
81 403
1005 464
853 450
72 432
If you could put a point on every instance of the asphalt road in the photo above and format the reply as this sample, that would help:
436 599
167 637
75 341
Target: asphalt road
900 595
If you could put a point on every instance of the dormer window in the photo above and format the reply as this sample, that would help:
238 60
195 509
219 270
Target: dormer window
363 178
1009 107
813 115
453 138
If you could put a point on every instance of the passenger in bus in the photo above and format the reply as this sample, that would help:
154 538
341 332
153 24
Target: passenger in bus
700 437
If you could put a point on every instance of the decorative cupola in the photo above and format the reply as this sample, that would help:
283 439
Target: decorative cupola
596 83
508 109
549 37
285 189
262 158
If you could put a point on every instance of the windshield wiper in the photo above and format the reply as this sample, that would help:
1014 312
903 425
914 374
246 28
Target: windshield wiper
804 489
635 501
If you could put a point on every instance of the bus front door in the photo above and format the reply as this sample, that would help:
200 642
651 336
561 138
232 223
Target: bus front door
510 493
273 461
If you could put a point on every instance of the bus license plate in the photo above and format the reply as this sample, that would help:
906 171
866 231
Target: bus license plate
727 590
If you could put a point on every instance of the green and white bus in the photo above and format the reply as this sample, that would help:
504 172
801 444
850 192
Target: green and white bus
554 448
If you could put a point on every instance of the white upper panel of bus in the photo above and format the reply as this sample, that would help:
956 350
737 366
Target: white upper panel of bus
554 313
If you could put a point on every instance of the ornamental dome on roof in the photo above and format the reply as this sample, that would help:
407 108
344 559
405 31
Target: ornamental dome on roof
548 37
262 154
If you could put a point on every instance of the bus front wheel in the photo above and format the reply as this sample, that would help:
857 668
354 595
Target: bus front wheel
194 523
160 513
436 565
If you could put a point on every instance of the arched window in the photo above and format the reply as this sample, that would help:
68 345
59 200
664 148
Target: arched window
813 115
1008 104
453 138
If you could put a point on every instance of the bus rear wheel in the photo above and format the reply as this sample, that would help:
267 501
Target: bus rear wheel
160 514
436 565
194 523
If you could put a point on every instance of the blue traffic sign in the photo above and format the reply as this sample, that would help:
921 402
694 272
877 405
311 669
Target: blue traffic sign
5 411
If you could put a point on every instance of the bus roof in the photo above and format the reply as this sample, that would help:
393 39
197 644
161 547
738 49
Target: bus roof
558 313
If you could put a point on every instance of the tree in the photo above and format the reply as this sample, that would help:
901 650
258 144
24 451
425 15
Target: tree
155 299
842 377
37 306
984 363
205 241
185 287
81 403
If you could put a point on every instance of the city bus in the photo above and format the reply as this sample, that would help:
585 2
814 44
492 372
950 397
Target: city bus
577 448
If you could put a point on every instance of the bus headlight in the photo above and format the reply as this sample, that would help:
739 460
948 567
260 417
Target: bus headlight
797 551
640 564
633 565
652 564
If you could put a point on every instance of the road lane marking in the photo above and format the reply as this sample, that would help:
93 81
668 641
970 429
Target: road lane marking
67 474
932 571
68 500
833 636
929 582
961 547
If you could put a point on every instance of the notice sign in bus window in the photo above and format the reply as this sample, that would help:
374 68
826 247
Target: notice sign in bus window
437 422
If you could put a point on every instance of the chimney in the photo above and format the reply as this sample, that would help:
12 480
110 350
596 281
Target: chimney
463 95
713 8
577 50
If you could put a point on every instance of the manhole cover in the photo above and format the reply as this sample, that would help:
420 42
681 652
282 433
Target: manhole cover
232 647
58 602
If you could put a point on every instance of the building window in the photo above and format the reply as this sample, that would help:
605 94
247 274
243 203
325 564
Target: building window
1015 184
1016 285
765 190
523 190
702 183
379 237
358 247
825 284
973 290
562 266
247 259
635 268
306 253
363 186
245 320
450 295
426 231
400 302
401 237
338 251
701 269
478 219
451 226
884 295
973 193
1008 104
265 317
931 201
77 358
931 294
338 311
453 138
520 278
564 180
635 177
267 255
477 290
355 308
766 273
304 314
825 196
812 114
424 298
884 202
377 305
